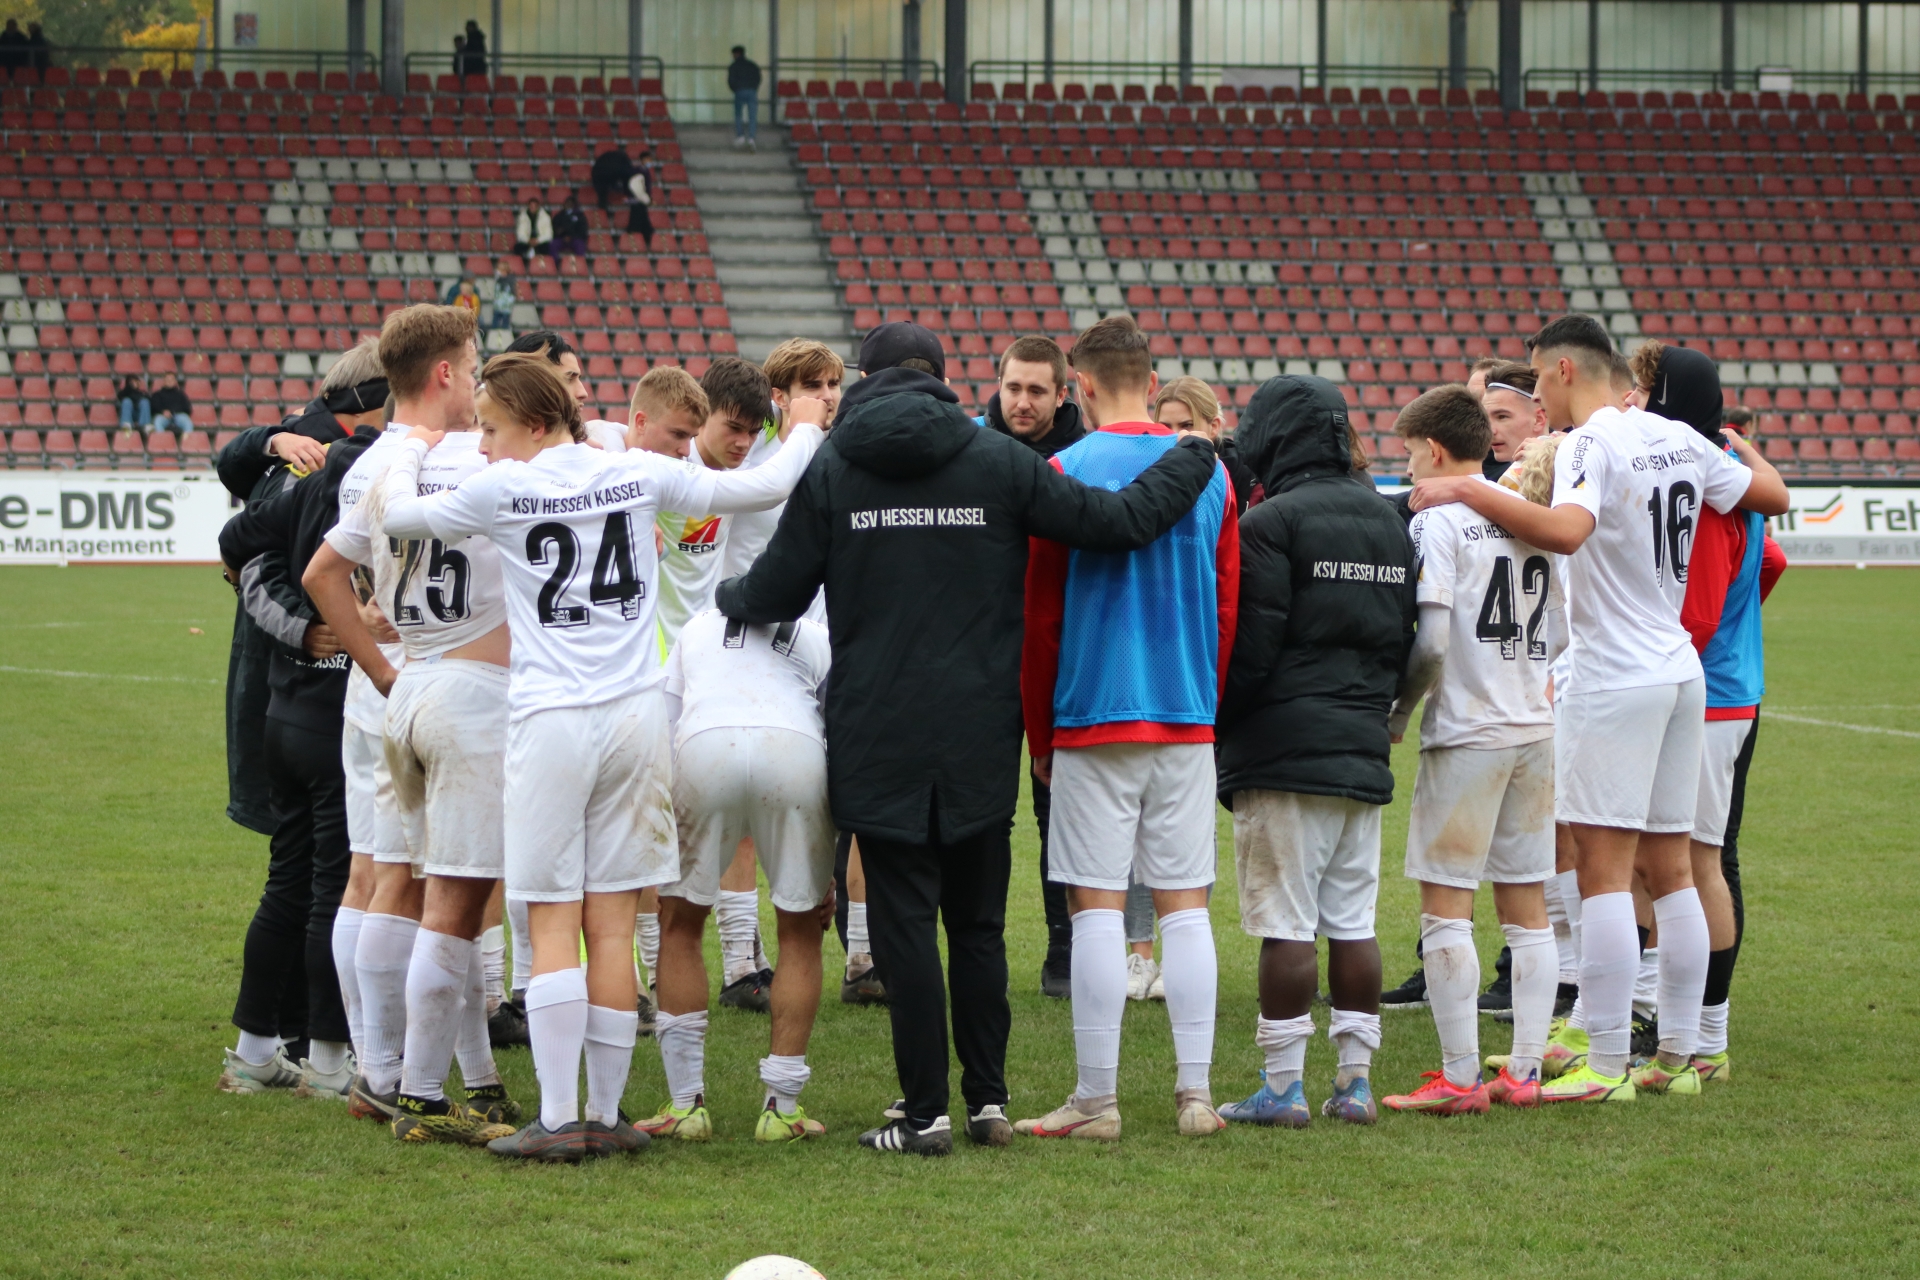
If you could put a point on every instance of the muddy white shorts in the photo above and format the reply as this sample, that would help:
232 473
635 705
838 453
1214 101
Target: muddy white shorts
446 743
373 813
1126 811
767 783
1719 757
589 800
1307 865
1630 758
1482 814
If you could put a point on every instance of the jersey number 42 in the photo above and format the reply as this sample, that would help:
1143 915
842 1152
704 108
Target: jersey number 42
1499 621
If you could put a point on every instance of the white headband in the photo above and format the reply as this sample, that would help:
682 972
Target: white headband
1508 386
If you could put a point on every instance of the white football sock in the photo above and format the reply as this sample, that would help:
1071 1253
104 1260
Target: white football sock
1577 1016
473 1047
436 993
1453 989
1684 945
1569 882
739 917
522 943
1535 982
257 1050
382 958
346 940
1562 932
493 960
327 1055
1284 1042
1099 998
857 943
1646 985
646 940
1713 1031
557 1025
1356 1035
1610 953
760 962
609 1046
683 1054
1190 973
785 1076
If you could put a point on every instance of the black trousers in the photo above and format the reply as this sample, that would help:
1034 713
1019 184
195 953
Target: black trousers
1053 894
288 986
1730 847
964 884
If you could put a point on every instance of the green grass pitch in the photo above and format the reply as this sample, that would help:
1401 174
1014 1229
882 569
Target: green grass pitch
124 892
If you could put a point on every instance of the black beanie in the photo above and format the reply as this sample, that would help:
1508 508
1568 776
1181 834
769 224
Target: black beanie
1686 388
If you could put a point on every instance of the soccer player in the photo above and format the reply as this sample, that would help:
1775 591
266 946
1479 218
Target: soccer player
750 762
1628 489
1490 621
1513 415
445 733
1120 679
1326 617
588 802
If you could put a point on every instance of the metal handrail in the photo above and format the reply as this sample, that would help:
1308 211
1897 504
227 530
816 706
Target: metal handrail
606 65
133 57
1034 71
887 69
1709 78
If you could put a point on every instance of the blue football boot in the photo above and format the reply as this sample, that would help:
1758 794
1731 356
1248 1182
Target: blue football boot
1286 1110
1354 1104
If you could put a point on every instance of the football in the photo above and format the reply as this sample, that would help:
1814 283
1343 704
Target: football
774 1266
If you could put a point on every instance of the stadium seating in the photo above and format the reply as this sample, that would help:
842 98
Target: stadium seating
242 234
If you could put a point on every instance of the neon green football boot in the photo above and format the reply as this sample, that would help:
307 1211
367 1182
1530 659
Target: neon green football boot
690 1123
1584 1084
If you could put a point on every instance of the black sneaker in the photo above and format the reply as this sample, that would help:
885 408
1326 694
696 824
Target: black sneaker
1411 994
864 987
988 1127
752 992
1498 997
1644 1040
565 1145
507 1026
900 1135
1564 997
491 1101
643 1005
1056 974
439 1120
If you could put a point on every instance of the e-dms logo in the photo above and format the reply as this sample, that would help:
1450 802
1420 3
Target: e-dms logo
105 511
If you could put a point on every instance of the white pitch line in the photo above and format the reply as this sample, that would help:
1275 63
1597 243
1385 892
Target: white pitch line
1835 724
108 675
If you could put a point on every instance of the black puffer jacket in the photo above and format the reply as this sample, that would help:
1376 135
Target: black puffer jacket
1069 427
1326 609
917 523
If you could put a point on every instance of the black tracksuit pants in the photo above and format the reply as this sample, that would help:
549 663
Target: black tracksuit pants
288 985
964 885
1053 894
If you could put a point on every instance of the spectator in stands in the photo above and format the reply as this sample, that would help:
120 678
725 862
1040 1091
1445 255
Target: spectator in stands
570 228
172 411
460 55
503 299
39 48
463 294
476 49
13 47
136 410
743 78
640 199
611 169
533 231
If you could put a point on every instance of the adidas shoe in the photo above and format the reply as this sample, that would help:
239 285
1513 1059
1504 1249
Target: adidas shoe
1439 1096
507 1026
936 1139
1141 973
1508 1092
617 1139
1354 1104
1073 1119
1194 1115
1587 1085
492 1102
438 1120
987 1127
1411 994
237 1075
862 985
786 1126
334 1084
1656 1077
1284 1110
1713 1066
565 1145
750 991
690 1123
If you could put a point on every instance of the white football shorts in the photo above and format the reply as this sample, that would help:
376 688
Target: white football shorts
1630 758
767 783
1719 754
589 800
373 813
1482 814
446 748
1125 811
1307 865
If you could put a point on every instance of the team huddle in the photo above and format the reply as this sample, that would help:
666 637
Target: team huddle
605 676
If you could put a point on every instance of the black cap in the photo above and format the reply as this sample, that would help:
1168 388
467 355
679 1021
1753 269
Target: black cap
1686 388
886 345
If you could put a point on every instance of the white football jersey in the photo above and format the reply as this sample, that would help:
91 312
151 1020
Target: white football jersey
365 709
1499 593
1643 478
574 531
438 595
728 675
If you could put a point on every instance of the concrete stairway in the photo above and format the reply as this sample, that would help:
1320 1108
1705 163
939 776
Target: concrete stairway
773 270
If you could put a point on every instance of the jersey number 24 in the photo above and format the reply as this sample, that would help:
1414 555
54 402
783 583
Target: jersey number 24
614 581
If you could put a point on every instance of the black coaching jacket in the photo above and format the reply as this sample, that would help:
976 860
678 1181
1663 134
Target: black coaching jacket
1327 609
917 521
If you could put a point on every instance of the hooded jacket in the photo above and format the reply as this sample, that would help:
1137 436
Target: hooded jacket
1327 609
916 521
1069 427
